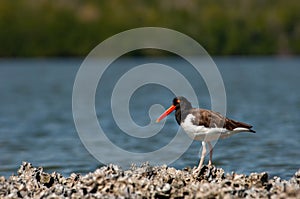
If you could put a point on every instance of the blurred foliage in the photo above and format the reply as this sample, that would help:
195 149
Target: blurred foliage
74 27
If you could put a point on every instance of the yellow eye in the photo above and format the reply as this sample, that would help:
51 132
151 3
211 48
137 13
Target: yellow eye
178 101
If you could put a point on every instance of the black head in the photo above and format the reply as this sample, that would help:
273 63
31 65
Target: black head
181 103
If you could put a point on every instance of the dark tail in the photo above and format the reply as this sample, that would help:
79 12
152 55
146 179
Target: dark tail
252 131
232 124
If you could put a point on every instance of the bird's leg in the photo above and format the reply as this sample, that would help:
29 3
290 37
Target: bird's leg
202 157
210 153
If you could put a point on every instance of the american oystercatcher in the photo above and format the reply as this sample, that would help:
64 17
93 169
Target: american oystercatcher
203 125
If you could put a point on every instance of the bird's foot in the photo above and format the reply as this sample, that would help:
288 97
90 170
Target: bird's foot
199 170
196 171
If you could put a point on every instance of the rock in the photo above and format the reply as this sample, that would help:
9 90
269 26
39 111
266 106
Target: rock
146 182
166 188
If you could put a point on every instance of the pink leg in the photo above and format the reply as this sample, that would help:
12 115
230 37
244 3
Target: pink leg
202 157
210 153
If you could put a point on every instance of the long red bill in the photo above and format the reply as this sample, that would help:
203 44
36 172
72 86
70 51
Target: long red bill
167 112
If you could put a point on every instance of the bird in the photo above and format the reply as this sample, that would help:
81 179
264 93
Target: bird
203 125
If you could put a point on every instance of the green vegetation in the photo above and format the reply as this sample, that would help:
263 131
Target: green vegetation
74 27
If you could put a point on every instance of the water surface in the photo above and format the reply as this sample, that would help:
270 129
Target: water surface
36 123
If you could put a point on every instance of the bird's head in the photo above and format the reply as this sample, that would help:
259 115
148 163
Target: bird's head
178 103
181 103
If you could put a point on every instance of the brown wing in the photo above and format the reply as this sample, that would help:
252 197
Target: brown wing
209 118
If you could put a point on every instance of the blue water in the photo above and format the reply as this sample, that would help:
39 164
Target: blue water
36 122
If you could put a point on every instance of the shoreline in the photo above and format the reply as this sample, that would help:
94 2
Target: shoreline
146 182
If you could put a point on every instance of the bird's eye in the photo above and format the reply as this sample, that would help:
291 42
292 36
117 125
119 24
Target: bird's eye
178 101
